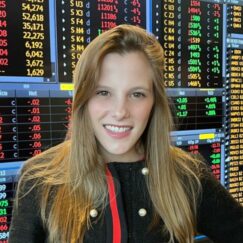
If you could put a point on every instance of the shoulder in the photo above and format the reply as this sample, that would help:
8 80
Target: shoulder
220 216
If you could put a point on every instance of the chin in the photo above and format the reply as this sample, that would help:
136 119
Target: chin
117 152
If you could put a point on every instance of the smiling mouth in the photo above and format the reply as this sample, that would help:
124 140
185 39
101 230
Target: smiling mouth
118 129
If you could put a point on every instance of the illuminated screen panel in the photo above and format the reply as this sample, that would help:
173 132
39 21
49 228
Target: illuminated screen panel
41 41
209 149
198 110
234 166
193 50
79 22
30 121
29 125
6 192
24 38
235 21
7 188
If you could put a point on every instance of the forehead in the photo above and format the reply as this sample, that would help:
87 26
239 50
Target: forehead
131 66
138 58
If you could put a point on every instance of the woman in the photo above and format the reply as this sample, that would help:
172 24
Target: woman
117 178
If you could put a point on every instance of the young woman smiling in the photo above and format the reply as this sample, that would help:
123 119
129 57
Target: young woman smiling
117 178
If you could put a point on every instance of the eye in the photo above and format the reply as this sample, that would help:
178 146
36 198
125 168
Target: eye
102 93
138 95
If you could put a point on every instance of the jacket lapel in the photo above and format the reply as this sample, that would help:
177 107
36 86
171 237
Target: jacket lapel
116 228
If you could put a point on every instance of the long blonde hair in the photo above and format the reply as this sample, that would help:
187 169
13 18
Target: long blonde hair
70 178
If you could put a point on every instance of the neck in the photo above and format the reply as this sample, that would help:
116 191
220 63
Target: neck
124 159
131 156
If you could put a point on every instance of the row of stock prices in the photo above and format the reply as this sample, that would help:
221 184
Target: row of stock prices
29 125
235 21
79 22
210 150
234 153
234 97
6 194
193 50
198 110
24 38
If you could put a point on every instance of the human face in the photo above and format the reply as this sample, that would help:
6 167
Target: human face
121 105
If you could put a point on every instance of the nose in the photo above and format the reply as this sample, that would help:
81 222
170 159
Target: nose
120 109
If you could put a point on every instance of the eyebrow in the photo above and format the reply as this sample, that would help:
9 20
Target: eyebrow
140 87
133 88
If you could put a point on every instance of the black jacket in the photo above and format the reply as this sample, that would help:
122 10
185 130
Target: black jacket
220 217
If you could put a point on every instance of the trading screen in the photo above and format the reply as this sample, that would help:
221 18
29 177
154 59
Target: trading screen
41 41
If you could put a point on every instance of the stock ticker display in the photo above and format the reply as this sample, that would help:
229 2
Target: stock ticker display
25 38
41 41
79 22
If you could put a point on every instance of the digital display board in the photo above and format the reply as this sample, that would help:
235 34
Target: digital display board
79 22
41 41
234 132
25 38
193 50
197 110
31 121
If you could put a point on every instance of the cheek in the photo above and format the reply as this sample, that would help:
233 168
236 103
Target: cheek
95 109
143 113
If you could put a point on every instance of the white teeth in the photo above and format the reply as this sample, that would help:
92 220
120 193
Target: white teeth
117 129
